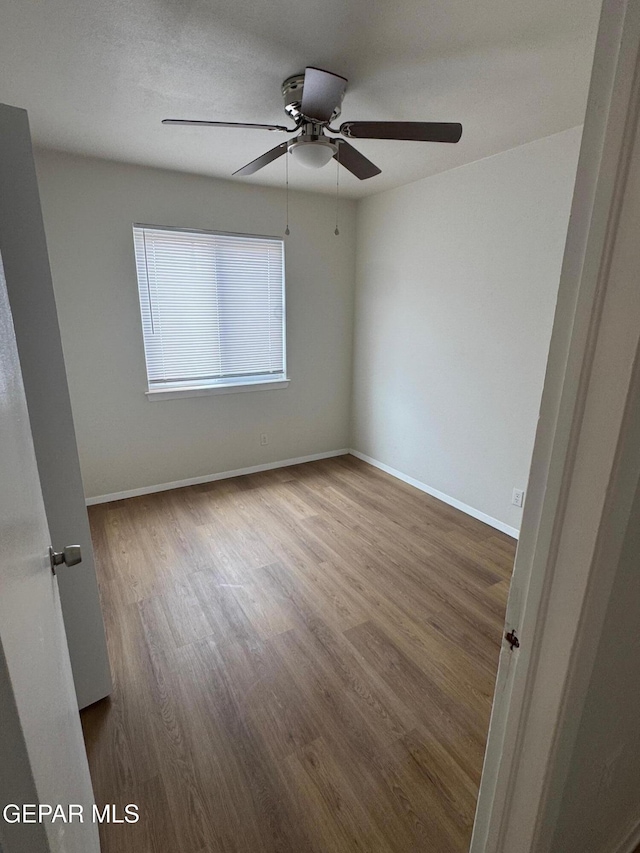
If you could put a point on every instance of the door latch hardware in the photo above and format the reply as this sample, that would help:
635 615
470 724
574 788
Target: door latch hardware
70 555
512 639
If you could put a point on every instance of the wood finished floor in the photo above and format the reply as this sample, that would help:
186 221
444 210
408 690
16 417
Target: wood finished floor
304 661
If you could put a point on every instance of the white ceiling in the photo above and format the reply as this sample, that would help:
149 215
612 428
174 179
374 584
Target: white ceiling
97 76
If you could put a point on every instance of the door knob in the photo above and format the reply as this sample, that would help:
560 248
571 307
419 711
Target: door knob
70 555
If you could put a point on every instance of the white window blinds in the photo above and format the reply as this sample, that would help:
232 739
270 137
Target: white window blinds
212 307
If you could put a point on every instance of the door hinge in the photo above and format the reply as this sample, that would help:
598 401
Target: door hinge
512 638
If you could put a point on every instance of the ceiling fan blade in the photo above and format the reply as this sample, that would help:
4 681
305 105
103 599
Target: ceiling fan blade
354 161
321 94
277 127
419 131
263 160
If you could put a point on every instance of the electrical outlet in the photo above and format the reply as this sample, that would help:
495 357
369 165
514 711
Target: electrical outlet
264 438
517 498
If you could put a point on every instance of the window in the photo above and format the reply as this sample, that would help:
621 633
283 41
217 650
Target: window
212 310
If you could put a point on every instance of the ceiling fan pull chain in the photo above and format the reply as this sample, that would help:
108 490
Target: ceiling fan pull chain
286 171
337 231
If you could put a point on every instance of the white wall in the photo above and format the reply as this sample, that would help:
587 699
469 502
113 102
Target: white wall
127 442
456 284
457 277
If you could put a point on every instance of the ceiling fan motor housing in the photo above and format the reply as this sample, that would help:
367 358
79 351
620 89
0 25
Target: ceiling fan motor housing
292 89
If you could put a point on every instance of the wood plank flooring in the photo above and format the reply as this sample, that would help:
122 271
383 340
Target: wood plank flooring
304 662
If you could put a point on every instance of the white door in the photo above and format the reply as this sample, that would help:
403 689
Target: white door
42 755
31 297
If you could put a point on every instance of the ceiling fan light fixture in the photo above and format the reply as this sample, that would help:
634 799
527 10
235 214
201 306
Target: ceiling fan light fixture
313 153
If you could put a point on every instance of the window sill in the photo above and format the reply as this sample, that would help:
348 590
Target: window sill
231 388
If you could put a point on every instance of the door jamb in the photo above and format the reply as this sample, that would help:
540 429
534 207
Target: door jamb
582 469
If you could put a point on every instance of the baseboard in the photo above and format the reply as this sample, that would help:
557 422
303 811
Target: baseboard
469 510
210 478
313 457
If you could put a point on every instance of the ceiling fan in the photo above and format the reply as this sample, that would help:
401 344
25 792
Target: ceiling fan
313 100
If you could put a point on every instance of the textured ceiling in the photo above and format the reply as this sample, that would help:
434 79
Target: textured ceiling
97 77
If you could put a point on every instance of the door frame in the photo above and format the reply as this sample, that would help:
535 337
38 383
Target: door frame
584 470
